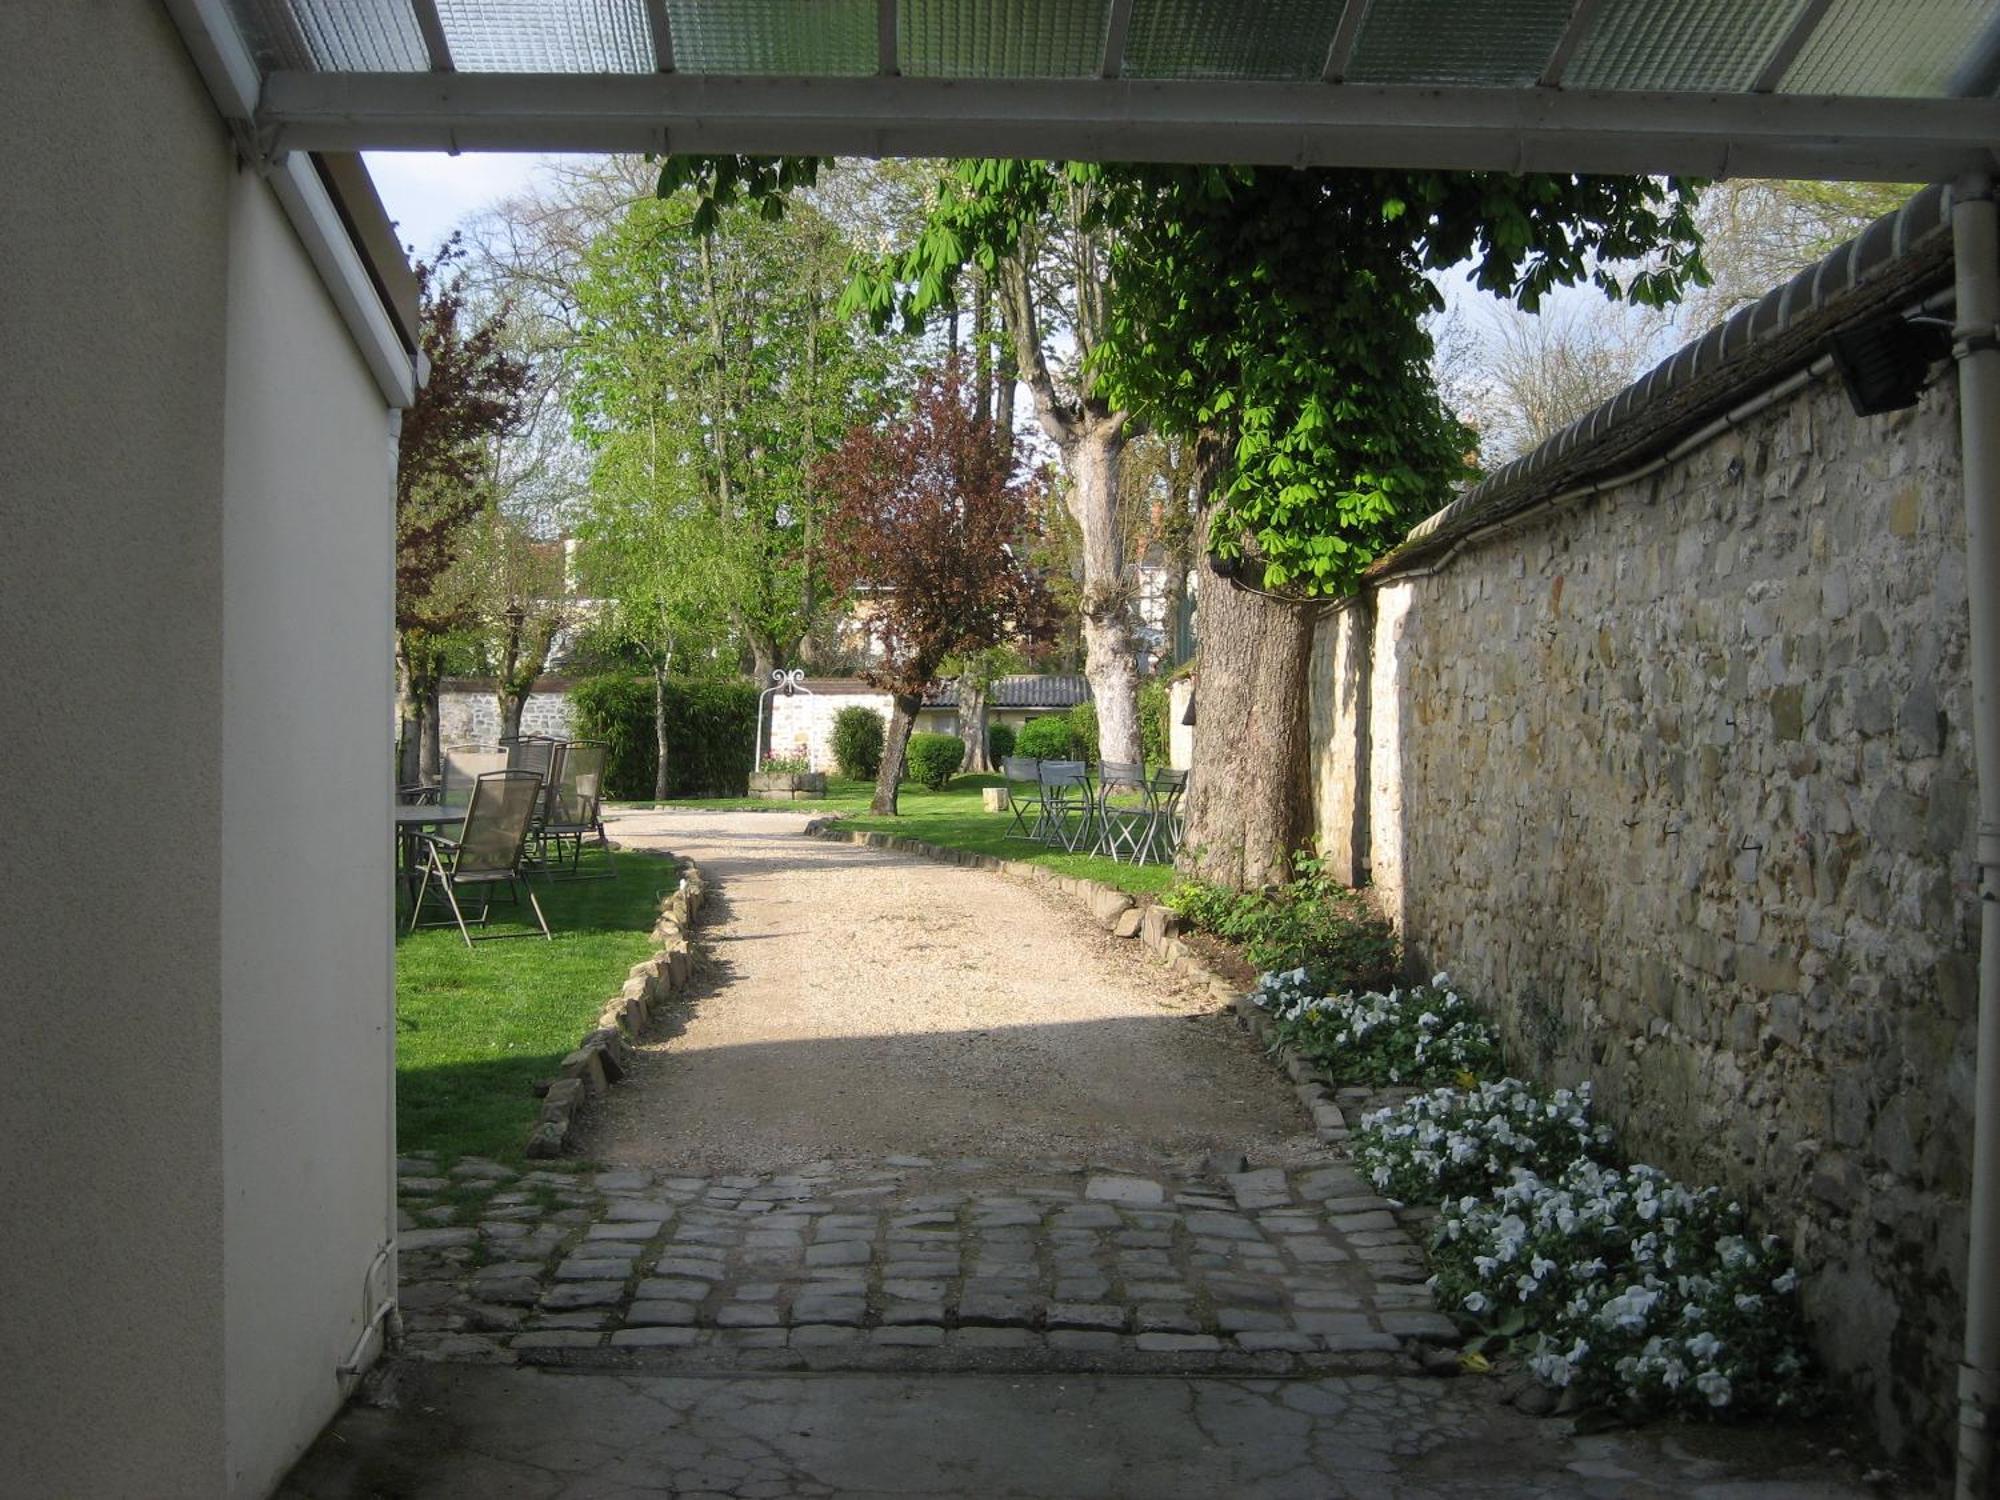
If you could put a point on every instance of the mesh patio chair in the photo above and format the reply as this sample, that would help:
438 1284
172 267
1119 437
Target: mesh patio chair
1163 839
1024 795
1122 830
1066 792
573 811
530 752
485 856
463 766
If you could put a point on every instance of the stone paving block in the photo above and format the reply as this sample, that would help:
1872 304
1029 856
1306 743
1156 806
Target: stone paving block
633 1230
822 1335
747 1315
1276 1341
994 1338
1137 1191
416 1241
931 1311
847 1311
1178 1343
998 1309
1315 1251
1334 1324
914 1290
684 1266
633 1211
660 1337
1158 1291
1426 1327
1081 1288
1325 1299
1087 1315
658 1311
1355 1223
1250 1320
674 1288
838 1253
1224 1226
1361 1343
751 1338
557 1338
1078 1340
1086 1216
582 1294
578 1269
917 1337
1165 1317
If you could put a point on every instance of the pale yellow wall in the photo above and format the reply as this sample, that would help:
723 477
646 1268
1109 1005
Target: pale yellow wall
306 881
112 285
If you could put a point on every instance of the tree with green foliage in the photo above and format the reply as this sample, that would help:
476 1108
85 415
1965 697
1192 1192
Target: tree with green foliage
858 736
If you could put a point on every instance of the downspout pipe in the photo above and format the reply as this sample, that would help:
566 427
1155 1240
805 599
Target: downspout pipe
1976 252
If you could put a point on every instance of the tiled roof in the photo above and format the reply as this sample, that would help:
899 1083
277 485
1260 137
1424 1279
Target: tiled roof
1051 690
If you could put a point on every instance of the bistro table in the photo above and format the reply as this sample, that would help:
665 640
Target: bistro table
409 822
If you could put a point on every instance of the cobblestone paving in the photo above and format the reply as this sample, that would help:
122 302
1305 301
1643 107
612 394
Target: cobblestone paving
904 1262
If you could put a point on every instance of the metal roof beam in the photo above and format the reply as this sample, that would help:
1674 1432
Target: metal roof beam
1790 45
886 63
1580 16
436 43
1346 32
1306 124
1117 25
662 29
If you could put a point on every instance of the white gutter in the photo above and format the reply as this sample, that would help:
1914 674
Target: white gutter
231 74
1976 250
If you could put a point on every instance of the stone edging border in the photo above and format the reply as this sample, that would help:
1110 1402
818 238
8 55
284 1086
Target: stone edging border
604 1056
1154 927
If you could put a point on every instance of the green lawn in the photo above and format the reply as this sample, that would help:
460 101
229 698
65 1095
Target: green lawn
955 818
476 1028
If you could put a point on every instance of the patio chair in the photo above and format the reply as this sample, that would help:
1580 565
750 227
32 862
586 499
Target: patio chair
463 766
1163 840
1024 794
573 811
485 856
530 752
1123 830
1066 790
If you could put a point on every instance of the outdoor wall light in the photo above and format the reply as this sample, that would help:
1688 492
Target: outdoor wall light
1884 364
1224 567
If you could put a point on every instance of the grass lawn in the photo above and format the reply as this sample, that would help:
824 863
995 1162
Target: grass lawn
955 818
476 1028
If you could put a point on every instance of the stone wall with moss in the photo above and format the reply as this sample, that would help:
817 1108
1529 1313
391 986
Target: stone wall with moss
1679 780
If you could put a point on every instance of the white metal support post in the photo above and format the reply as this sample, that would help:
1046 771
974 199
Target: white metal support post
1976 248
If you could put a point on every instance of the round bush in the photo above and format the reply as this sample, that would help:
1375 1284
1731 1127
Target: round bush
857 742
1083 733
932 758
999 744
1046 738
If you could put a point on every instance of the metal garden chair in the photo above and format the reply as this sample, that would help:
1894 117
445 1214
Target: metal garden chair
1123 830
1163 838
573 811
485 856
1024 794
463 766
1066 790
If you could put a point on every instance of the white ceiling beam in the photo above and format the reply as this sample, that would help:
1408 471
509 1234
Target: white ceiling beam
1532 129
1574 31
1117 24
436 43
1790 45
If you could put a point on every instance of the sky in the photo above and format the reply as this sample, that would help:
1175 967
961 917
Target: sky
429 193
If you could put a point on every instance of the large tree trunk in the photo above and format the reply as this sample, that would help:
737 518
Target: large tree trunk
972 722
409 733
660 732
431 760
512 705
1110 655
1248 801
894 744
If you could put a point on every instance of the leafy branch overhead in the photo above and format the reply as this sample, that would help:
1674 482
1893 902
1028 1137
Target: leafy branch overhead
1279 313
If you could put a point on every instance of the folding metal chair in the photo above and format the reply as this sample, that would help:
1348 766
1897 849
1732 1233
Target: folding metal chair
573 811
464 765
1163 838
1024 794
1066 790
485 856
1122 830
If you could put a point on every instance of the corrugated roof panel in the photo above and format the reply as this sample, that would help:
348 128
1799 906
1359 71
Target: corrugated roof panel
781 38
1280 39
1492 43
547 36
1906 50
1001 38
1718 45
327 36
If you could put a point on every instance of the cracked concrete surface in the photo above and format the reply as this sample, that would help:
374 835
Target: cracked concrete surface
460 1432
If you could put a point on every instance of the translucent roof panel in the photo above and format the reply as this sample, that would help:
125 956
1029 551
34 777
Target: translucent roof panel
364 36
548 36
1703 45
1905 50
1001 38
1496 43
1248 39
788 38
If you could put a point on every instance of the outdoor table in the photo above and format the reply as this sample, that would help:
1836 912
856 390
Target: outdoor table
409 821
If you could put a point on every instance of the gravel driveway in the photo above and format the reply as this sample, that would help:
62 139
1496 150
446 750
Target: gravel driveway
860 1002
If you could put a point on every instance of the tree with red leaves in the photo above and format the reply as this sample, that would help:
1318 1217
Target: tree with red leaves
929 514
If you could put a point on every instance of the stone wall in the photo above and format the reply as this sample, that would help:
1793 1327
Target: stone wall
1679 780
802 724
469 713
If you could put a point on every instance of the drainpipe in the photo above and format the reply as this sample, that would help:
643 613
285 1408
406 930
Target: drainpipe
1976 250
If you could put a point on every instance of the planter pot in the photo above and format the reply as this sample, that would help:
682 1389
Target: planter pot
787 786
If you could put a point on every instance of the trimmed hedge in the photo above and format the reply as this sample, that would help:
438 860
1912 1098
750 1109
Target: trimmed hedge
1046 738
999 744
1153 703
933 759
858 735
710 725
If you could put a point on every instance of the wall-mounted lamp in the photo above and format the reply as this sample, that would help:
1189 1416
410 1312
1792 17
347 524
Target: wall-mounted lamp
1884 364
1224 567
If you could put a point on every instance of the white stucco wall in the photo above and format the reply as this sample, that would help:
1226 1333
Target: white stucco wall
112 286
308 553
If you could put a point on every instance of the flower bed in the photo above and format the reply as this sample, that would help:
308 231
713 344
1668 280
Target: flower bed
1458 1141
1425 1034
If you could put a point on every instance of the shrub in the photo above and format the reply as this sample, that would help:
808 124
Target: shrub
999 744
1046 738
1454 1141
710 725
933 758
858 734
787 765
1153 721
1628 1288
1315 924
1426 1034
1083 733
